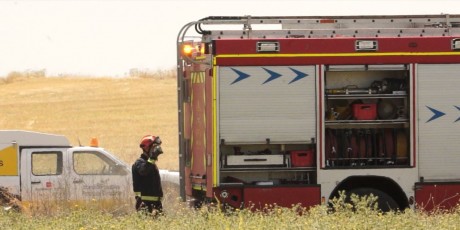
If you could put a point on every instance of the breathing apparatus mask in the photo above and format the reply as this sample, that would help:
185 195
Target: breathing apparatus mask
155 148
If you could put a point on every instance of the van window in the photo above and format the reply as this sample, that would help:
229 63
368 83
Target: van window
95 163
46 163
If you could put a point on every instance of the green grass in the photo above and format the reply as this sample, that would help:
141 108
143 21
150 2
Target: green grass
361 216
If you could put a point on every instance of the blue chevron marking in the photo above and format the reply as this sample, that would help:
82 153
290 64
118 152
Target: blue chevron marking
241 76
436 114
458 119
299 76
273 75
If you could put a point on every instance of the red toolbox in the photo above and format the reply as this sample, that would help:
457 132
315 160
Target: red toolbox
365 111
302 158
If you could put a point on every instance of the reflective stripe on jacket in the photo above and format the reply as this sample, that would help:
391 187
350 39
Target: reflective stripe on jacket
151 198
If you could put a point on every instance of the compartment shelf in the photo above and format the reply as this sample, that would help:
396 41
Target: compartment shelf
366 118
284 169
364 96
268 163
366 124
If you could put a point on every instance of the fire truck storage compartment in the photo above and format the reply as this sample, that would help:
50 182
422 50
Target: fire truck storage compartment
257 197
366 116
260 103
267 164
263 113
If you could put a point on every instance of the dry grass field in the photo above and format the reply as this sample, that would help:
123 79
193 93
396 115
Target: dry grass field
118 111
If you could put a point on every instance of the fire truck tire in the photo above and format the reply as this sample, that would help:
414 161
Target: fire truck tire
385 202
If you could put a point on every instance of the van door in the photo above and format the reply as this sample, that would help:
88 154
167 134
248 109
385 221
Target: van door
43 175
97 175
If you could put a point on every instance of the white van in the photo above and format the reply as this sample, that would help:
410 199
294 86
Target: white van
39 166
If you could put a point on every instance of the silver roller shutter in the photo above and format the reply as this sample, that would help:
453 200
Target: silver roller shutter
260 102
439 121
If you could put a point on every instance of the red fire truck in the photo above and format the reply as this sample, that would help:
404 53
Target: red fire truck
292 110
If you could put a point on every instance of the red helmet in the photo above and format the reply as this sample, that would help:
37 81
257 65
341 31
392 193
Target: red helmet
147 141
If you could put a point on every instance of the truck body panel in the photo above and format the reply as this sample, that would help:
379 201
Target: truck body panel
437 195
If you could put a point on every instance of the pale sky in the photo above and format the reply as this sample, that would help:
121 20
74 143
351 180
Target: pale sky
108 37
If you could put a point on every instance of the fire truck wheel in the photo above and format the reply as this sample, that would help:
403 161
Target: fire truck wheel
385 202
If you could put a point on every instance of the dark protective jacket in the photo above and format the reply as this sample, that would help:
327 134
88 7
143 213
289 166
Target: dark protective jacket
146 179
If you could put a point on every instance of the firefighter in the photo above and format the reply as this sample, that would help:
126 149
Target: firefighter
146 176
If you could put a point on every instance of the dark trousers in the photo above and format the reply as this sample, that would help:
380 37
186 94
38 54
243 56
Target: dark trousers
151 207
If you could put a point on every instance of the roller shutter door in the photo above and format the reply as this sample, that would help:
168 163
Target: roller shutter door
439 121
256 103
